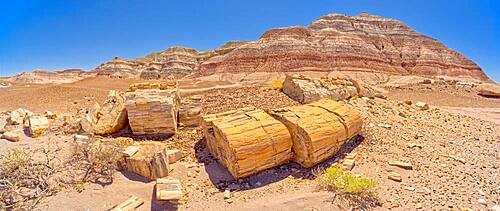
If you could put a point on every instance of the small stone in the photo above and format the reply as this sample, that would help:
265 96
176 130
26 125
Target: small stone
174 155
11 136
401 164
50 115
80 138
422 106
258 184
408 102
347 164
409 188
482 201
227 194
419 206
481 192
394 176
386 126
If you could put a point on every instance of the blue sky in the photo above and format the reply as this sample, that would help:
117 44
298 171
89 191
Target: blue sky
83 34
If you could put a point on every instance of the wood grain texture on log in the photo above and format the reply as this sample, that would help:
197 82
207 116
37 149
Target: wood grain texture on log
189 109
168 189
150 160
247 141
305 90
318 129
151 108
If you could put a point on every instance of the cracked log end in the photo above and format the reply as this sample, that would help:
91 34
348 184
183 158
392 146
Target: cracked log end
318 129
247 141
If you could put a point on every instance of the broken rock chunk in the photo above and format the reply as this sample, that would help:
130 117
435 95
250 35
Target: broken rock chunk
17 116
422 106
11 136
150 160
129 205
108 118
168 189
37 125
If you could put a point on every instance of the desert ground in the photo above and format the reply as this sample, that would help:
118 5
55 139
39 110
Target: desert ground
454 147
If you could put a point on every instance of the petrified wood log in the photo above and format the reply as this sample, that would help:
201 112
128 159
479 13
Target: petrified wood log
151 108
247 140
305 90
168 189
150 160
129 205
318 129
189 109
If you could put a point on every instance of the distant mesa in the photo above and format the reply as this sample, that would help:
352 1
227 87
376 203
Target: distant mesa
334 42
47 76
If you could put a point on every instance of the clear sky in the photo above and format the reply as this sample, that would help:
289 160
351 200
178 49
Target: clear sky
83 34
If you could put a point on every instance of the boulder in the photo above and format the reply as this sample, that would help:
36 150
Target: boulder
108 118
489 90
150 160
18 116
37 125
305 90
319 129
151 108
247 141
11 136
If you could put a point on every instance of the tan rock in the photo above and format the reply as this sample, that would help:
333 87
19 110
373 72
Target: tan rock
168 189
151 109
129 205
189 109
489 90
174 155
18 116
422 105
400 164
108 118
81 138
394 176
50 115
130 151
11 136
247 141
305 90
319 129
37 125
150 160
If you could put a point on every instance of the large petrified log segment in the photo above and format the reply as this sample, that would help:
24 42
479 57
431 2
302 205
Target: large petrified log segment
150 160
108 118
151 108
318 129
305 90
189 109
247 140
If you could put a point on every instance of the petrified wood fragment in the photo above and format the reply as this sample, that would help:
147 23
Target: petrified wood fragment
151 108
318 129
189 109
247 140
150 160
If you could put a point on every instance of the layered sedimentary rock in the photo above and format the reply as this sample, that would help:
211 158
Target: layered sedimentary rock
150 160
346 43
49 77
151 108
305 90
108 118
318 129
247 140
174 62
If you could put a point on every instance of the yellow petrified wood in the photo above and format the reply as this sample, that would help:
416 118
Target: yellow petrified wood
247 140
150 160
318 129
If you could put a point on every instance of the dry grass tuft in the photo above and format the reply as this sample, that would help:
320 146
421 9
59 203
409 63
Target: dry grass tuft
343 181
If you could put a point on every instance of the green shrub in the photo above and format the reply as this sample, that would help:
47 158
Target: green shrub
334 178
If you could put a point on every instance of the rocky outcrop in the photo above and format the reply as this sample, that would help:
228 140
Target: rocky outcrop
50 77
346 43
174 62
489 90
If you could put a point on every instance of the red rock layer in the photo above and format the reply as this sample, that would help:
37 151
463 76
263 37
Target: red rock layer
345 43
